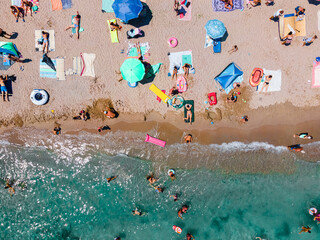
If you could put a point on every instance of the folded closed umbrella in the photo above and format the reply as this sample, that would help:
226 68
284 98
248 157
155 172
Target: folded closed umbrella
215 29
132 70
127 9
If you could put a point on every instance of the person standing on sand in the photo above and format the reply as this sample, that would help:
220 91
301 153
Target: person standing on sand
3 88
27 5
305 229
17 12
186 68
175 72
4 34
45 36
75 24
277 14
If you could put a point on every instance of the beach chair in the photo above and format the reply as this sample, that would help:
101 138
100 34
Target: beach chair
217 45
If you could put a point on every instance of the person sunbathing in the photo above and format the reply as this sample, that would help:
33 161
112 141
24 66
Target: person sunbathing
186 68
266 83
228 4
233 49
269 2
287 39
27 5
4 34
45 36
17 12
173 91
189 114
254 3
176 7
308 41
75 24
115 26
109 113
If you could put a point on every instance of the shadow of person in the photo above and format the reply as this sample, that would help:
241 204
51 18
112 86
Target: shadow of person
26 60
314 2
14 35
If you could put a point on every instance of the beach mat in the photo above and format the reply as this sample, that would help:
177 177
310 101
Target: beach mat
114 33
289 22
66 4
4 62
74 29
107 5
16 3
218 6
186 11
87 64
177 58
275 83
316 75
132 51
46 71
56 5
60 69
76 65
191 102
52 43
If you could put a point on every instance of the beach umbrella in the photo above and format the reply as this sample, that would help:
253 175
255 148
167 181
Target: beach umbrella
132 70
9 48
127 9
215 29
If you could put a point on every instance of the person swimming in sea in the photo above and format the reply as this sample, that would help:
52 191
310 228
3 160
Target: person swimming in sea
151 179
183 210
137 212
172 174
296 148
111 178
175 197
9 186
158 188
189 237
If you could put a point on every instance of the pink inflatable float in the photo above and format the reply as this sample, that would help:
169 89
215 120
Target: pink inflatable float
182 84
155 141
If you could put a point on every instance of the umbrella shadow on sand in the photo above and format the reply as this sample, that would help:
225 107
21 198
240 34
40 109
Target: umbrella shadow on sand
144 18
315 2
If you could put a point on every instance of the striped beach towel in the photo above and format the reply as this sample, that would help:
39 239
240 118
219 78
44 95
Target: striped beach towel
46 71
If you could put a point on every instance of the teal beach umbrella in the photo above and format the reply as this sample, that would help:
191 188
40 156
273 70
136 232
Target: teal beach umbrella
132 70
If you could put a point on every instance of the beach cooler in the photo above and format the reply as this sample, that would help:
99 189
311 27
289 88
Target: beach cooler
217 45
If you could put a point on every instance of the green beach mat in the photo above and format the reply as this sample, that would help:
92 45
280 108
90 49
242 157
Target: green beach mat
191 102
133 52
74 29
107 5
186 59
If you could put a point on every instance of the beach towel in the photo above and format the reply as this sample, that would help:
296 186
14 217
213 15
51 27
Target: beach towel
16 3
46 71
74 29
190 102
5 63
107 5
177 59
56 5
185 12
66 4
132 51
218 6
208 42
60 69
289 22
316 75
76 65
87 64
275 82
114 33
38 36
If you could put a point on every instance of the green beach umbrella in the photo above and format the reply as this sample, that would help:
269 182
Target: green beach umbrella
132 70
8 47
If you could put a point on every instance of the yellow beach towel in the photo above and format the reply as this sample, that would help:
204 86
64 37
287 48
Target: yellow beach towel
114 33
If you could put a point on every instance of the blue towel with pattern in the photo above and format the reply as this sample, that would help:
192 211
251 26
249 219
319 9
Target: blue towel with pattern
66 4
218 5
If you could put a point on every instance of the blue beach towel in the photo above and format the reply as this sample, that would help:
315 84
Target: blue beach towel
46 71
107 5
66 4
218 5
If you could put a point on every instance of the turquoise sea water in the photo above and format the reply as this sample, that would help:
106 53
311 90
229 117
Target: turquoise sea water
67 197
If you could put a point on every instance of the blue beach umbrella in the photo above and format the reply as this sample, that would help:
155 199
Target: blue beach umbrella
215 29
127 9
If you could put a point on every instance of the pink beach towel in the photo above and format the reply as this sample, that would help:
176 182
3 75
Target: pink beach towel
185 12
316 75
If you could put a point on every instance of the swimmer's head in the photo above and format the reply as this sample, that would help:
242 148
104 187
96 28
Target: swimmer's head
302 151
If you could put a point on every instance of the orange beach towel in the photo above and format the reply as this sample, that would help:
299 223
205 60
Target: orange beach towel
56 5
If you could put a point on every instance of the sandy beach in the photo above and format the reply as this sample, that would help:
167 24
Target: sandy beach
296 105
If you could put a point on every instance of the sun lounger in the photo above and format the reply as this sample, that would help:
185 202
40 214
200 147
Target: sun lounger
114 33
190 102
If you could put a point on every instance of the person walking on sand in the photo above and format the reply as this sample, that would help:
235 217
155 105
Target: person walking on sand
276 15
75 24
308 41
266 83
305 229
303 136
27 5
189 237
111 178
4 34
287 39
3 88
17 12
189 114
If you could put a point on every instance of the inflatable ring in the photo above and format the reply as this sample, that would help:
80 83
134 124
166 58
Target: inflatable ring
171 170
173 42
312 211
174 104
177 229
39 96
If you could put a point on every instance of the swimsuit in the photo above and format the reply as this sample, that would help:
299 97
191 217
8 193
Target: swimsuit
3 89
267 83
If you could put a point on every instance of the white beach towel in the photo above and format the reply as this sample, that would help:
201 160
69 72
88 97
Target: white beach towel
318 19
175 59
52 43
60 69
76 65
275 83
87 64
16 3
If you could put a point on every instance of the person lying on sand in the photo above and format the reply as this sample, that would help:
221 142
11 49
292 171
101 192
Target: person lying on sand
308 41
103 128
173 91
3 88
233 49
188 138
303 136
296 148
228 4
269 2
254 3
4 34
305 229
266 83
17 12
189 114
27 5
111 178
115 26
45 36
300 12
182 210
75 24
